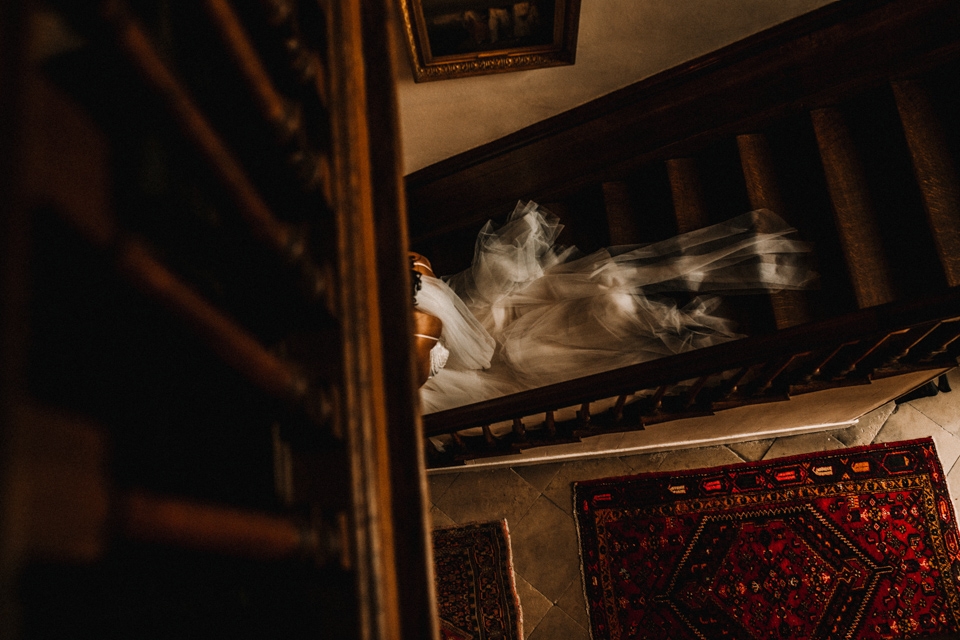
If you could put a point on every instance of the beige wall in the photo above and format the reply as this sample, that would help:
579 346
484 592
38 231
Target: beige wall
620 42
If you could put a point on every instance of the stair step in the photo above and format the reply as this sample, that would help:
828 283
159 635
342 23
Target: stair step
622 216
789 308
935 170
856 219
689 203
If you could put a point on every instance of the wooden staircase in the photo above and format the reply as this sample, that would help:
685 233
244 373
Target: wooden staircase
843 121
202 251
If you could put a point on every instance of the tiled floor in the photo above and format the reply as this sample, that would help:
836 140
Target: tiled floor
537 500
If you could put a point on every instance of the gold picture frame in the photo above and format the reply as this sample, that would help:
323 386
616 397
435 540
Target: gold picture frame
457 38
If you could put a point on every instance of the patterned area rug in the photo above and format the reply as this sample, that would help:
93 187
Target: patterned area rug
476 592
859 543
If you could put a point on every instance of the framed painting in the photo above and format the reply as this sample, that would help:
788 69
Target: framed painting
457 38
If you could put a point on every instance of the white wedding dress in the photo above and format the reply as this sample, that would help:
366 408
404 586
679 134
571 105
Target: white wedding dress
529 313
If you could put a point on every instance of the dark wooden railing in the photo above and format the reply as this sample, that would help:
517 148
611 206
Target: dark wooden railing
853 349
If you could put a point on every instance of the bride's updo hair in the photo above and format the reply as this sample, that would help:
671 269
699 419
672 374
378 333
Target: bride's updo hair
427 328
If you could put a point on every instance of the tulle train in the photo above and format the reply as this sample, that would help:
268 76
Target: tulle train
529 313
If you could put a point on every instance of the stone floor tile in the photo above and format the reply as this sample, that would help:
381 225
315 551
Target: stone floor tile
545 551
943 408
953 486
644 462
803 443
560 490
439 519
478 496
684 459
751 450
574 604
557 625
538 475
533 605
866 428
908 424
438 483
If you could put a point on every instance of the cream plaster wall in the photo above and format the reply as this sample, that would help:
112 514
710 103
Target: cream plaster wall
620 42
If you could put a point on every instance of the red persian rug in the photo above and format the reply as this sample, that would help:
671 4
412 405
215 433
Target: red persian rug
476 592
860 543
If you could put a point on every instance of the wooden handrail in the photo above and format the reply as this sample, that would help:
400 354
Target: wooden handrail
823 335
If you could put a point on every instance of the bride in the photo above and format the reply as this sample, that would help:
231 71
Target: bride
529 313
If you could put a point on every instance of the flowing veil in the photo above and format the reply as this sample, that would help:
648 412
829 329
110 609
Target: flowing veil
529 313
